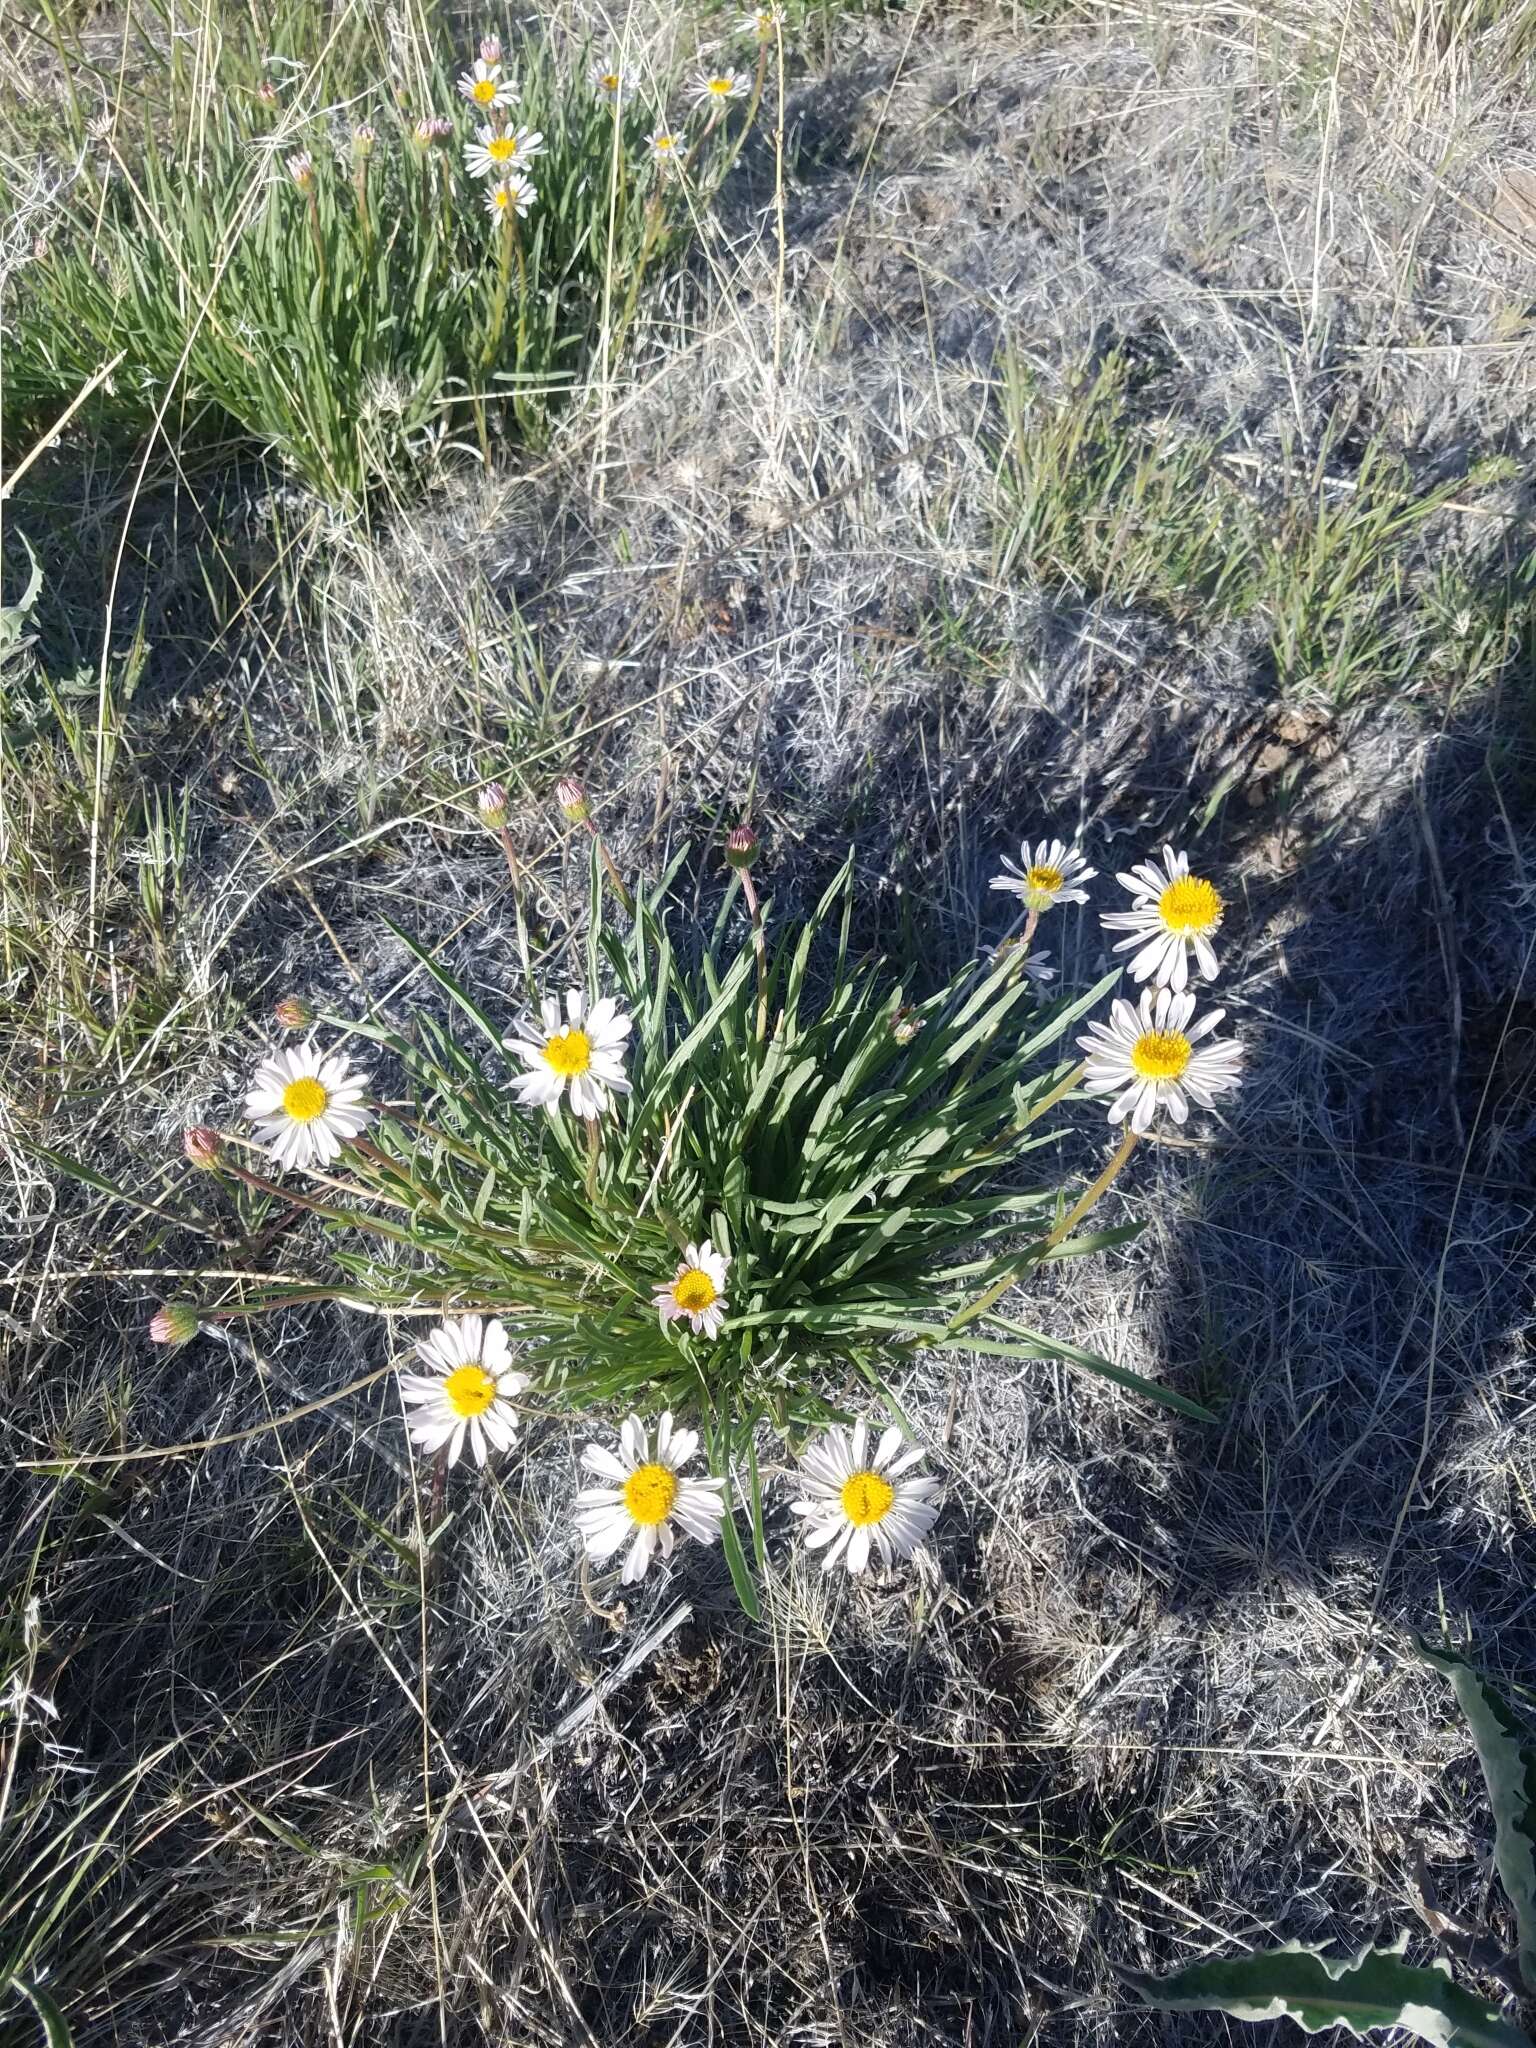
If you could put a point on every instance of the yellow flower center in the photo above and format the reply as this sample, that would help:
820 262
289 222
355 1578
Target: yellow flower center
649 1493
662 144
485 91
1160 1055
694 1291
501 149
720 86
501 197
569 1052
470 1390
1046 880
867 1498
609 81
305 1099
1189 905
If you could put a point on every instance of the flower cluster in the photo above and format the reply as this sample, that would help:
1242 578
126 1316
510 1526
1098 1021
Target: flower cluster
1153 1055
855 1503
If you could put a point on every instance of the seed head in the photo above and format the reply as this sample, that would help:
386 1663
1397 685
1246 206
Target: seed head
202 1146
572 799
492 806
173 1323
740 846
294 1014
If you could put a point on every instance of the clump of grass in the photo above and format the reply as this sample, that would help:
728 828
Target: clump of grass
1336 571
334 289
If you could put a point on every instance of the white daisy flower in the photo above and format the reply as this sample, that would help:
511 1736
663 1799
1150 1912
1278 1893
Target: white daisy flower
645 1496
855 1503
1151 1058
468 1393
497 156
306 1105
1046 874
665 144
513 195
604 79
697 1290
584 1050
484 86
760 23
1034 966
1173 915
715 88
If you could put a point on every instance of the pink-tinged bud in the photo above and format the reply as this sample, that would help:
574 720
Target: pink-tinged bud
301 168
202 1146
266 92
492 806
572 799
363 139
173 1323
740 846
490 49
294 1014
906 1024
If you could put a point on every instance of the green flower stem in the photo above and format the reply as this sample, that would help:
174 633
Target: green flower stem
298 1201
760 947
316 234
1085 1202
503 280
364 222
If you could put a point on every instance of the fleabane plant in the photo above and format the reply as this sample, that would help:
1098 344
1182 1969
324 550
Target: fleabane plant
725 1174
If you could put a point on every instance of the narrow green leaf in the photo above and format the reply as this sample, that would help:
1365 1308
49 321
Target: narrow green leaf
1373 1990
1506 1749
55 2027
451 988
1036 1346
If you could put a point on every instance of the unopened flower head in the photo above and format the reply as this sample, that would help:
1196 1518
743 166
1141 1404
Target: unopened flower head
854 1503
364 137
306 1105
605 79
301 168
644 1499
1173 914
484 86
466 1394
572 799
433 131
173 1323
696 1292
491 803
1048 873
513 195
740 846
762 23
497 156
906 1024
490 49
665 145
293 1013
1154 1057
718 88
583 1050
203 1147
266 92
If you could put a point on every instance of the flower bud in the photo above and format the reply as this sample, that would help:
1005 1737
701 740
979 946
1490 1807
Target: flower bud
173 1323
266 92
572 799
490 49
363 139
203 1146
740 846
492 806
301 168
294 1014
906 1024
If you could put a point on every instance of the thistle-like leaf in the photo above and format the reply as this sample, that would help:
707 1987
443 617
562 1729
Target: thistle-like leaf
1506 1749
1374 1990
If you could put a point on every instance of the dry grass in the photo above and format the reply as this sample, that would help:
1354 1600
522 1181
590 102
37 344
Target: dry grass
1149 1695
